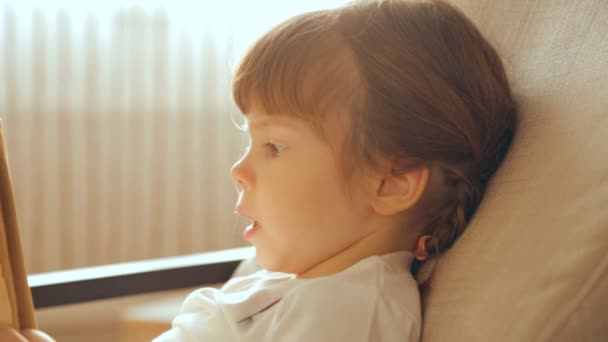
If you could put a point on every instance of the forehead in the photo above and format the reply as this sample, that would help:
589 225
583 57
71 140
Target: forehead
327 129
257 121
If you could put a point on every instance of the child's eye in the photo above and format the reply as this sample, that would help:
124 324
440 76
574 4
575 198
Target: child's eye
275 149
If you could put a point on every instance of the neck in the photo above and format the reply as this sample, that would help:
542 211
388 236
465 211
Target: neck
383 240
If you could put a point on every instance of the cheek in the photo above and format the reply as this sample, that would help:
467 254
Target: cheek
310 199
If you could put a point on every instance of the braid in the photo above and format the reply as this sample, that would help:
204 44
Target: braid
449 222
453 218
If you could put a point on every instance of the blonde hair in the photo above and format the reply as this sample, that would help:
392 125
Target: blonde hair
419 82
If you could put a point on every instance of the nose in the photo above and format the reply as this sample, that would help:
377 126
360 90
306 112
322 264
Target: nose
239 174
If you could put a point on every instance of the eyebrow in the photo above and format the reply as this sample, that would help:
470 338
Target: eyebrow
272 121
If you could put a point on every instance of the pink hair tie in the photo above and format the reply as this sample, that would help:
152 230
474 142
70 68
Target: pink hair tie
421 251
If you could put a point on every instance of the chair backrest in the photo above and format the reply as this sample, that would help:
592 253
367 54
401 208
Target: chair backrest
16 307
533 264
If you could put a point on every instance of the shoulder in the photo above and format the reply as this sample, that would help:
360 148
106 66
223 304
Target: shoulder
369 303
216 314
372 280
240 296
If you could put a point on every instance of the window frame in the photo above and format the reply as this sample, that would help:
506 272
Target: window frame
132 278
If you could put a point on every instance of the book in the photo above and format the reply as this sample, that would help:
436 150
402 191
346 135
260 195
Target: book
16 305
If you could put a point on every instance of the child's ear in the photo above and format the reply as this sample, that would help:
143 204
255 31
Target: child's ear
396 192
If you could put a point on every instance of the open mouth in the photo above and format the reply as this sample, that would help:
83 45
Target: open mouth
251 229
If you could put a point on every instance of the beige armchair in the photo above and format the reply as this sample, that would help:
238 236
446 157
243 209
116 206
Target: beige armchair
533 264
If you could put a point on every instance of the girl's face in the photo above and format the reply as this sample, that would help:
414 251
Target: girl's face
292 188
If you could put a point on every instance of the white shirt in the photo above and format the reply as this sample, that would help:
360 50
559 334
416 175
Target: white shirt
374 300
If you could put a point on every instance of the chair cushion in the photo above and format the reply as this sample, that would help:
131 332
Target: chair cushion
532 265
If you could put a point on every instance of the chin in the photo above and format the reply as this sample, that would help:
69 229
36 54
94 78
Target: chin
271 263
268 265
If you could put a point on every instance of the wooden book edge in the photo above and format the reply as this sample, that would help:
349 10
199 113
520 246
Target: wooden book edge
13 269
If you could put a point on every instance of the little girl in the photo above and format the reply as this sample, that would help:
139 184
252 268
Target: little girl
374 129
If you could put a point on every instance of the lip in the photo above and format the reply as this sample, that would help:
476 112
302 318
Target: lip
250 230
252 227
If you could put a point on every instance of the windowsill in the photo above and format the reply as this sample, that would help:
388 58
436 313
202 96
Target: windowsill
131 278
